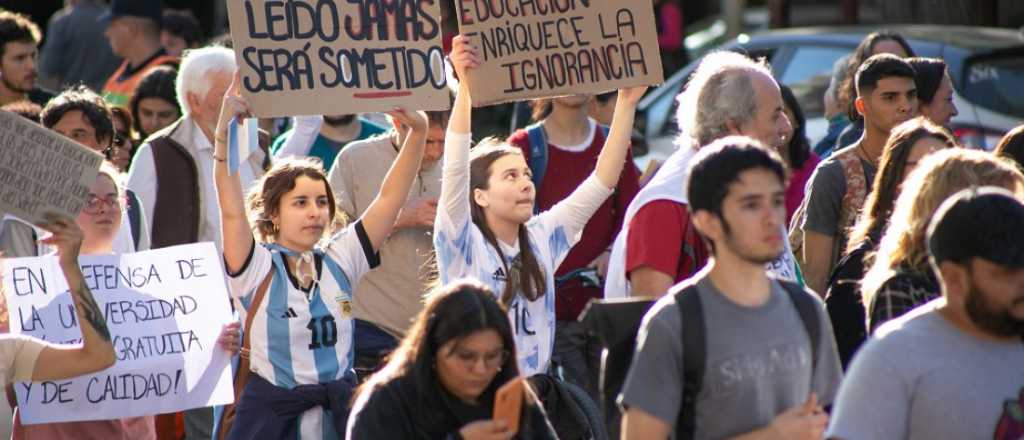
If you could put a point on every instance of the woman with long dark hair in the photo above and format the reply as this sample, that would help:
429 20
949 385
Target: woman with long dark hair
442 379
908 143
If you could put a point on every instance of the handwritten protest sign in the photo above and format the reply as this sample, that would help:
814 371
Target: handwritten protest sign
42 171
545 48
339 56
164 308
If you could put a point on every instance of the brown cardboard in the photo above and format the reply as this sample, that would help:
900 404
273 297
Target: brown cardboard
559 47
291 67
42 171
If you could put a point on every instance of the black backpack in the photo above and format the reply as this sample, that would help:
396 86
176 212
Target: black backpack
694 344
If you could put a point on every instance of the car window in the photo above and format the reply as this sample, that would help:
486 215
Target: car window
994 83
808 73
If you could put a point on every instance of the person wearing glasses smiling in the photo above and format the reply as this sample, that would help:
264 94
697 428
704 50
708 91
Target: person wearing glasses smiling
442 379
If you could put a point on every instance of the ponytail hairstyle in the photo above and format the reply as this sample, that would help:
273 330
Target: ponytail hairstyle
525 275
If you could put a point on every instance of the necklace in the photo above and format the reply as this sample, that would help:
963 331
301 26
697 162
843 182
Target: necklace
864 155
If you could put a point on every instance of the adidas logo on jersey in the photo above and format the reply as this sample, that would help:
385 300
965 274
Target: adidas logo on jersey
499 275
290 314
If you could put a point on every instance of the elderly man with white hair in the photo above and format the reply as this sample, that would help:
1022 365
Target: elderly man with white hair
173 172
728 94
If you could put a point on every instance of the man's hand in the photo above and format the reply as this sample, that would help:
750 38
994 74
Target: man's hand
807 421
417 213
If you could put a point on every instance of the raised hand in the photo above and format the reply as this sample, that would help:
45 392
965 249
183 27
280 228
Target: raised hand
233 106
417 120
465 55
632 95
66 236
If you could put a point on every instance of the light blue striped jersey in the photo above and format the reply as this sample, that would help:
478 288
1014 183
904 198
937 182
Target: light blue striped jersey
304 337
463 252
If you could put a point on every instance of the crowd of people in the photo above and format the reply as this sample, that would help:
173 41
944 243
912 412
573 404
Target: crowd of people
390 273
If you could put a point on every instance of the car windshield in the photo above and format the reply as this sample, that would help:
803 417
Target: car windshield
994 83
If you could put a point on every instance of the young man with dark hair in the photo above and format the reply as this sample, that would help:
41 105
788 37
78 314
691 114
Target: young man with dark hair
886 97
388 298
19 41
733 351
954 367
82 116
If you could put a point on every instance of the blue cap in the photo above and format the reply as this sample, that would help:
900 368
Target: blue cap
133 8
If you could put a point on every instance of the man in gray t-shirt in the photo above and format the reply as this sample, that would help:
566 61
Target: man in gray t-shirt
952 368
759 375
886 97
758 363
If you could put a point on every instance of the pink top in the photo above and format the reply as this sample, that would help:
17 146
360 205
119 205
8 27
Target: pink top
797 181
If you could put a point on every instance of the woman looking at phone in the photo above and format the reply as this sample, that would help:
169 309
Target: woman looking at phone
442 380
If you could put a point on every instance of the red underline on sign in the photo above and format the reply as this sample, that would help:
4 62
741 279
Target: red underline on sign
378 95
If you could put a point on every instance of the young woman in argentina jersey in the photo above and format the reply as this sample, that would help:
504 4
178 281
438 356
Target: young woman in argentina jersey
301 336
485 226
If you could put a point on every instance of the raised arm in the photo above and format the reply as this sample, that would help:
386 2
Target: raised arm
379 217
96 353
453 205
613 155
235 229
304 132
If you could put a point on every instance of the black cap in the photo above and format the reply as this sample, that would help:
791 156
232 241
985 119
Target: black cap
133 8
985 222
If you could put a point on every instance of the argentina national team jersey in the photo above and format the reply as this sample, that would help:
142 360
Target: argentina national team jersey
463 252
295 340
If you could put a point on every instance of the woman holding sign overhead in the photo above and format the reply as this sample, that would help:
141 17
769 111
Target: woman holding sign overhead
295 284
443 381
485 226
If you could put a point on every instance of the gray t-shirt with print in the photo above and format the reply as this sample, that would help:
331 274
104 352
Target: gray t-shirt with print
758 362
920 377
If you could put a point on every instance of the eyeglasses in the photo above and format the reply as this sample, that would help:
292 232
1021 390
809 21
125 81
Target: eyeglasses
492 360
514 276
95 204
121 141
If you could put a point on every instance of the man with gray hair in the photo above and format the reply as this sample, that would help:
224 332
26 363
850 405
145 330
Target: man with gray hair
728 94
172 173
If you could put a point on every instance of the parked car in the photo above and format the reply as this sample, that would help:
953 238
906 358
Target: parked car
985 64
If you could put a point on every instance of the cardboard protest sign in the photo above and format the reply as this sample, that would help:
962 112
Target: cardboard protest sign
164 308
339 56
546 48
42 171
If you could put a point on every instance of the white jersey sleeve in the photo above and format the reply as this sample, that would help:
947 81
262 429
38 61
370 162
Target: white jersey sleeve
563 224
243 283
352 249
453 234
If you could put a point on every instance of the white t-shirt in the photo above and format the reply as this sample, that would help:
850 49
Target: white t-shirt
462 250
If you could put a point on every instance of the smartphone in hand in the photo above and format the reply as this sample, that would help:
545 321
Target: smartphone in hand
508 403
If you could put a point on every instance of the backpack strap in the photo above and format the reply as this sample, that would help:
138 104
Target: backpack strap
807 308
538 153
695 355
134 217
227 417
